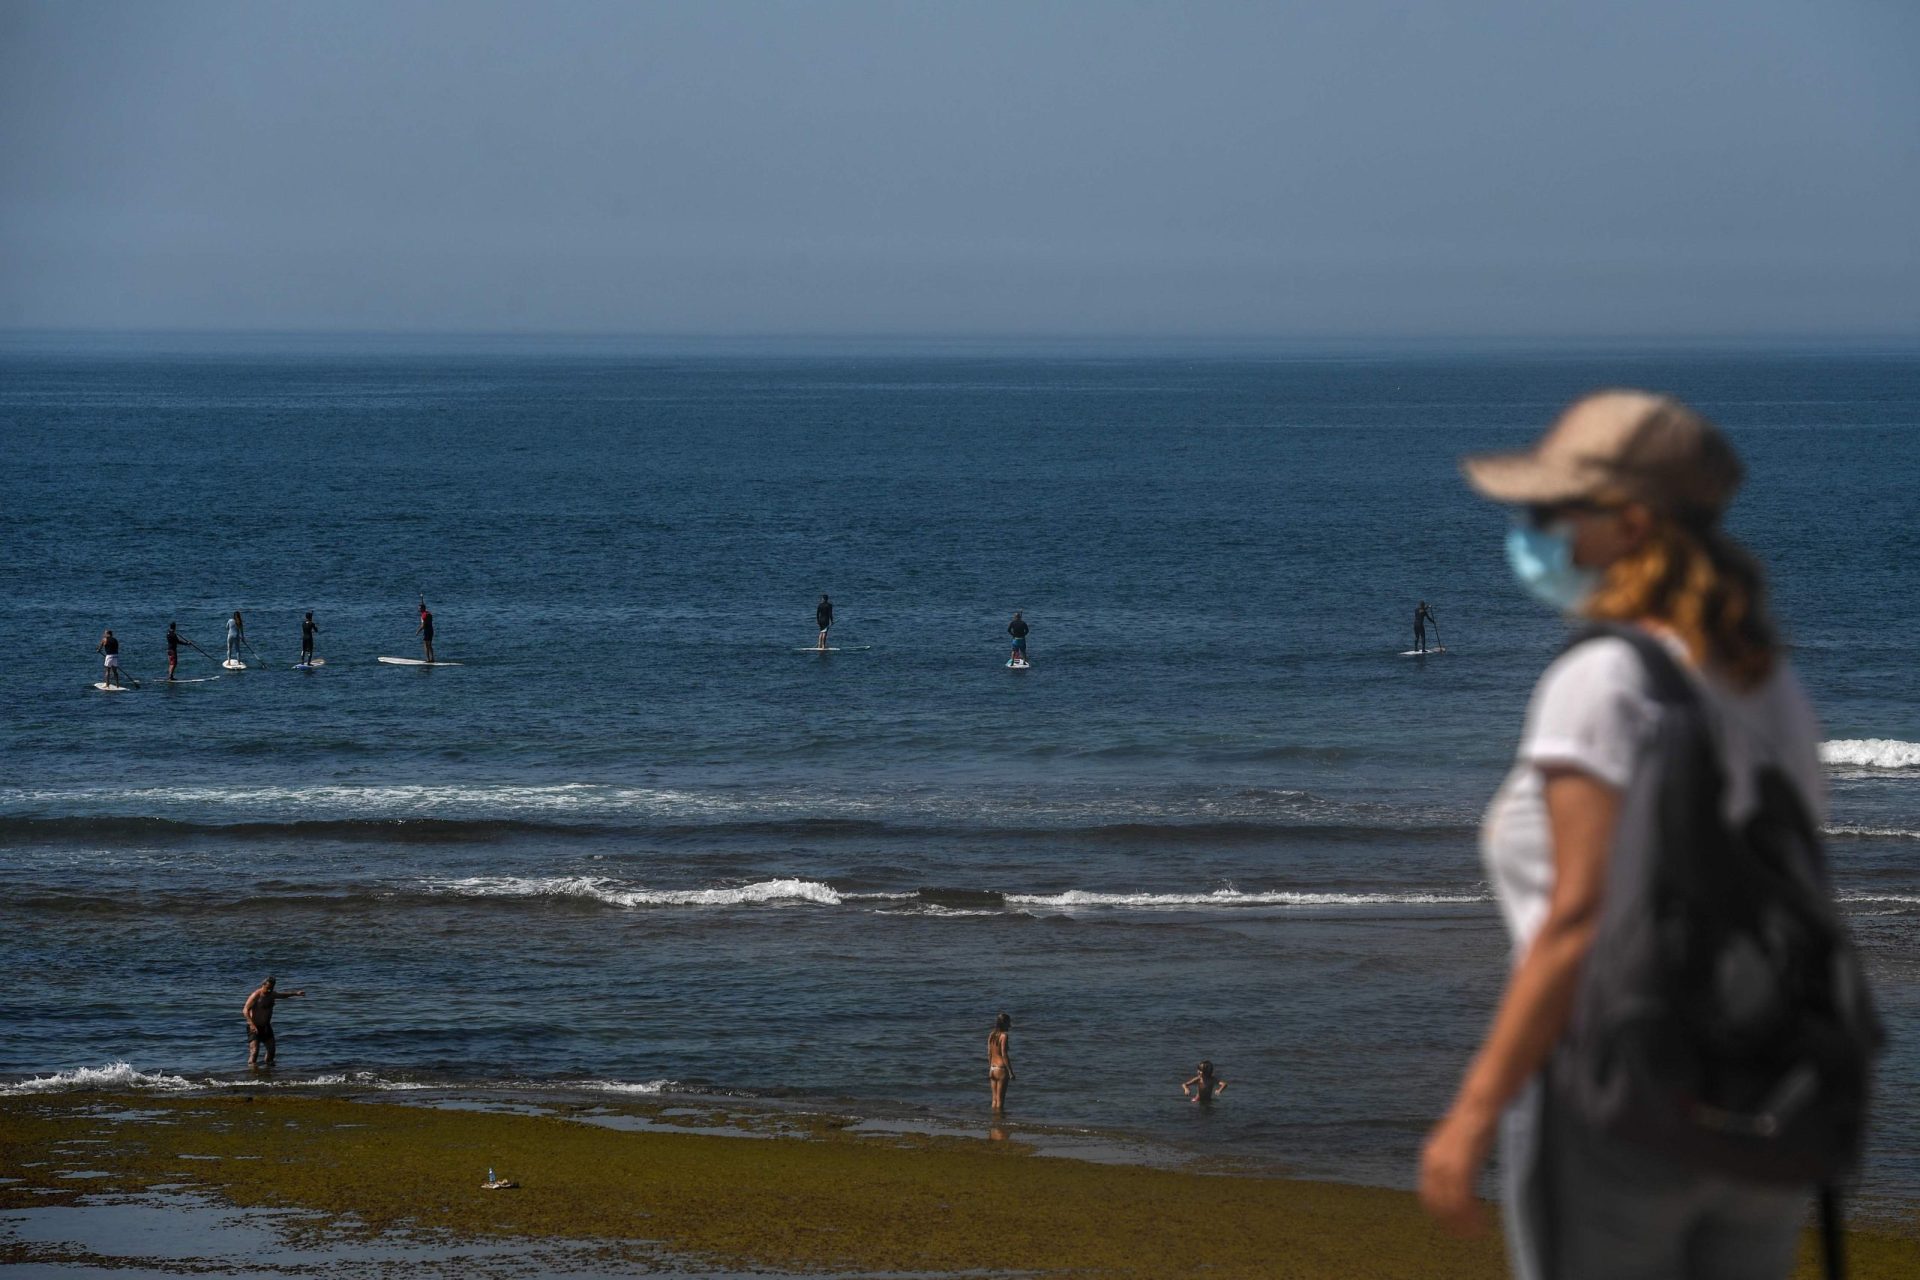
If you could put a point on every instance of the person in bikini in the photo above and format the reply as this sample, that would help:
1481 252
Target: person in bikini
999 1060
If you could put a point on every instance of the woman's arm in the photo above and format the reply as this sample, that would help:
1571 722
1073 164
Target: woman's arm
1581 814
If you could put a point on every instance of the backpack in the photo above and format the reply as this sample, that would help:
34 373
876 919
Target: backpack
1721 1019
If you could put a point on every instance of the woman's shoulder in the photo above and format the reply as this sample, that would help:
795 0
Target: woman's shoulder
1597 663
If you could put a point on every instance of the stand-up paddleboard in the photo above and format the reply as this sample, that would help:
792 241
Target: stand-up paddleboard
1018 664
189 680
1420 653
418 662
851 648
104 687
234 664
315 665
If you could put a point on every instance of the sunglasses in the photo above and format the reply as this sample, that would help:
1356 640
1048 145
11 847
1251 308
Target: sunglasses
1545 516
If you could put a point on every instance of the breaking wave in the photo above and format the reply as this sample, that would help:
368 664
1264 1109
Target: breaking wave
1871 753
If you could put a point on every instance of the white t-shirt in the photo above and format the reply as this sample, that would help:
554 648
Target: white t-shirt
1591 711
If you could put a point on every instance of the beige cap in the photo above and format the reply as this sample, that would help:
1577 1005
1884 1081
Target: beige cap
1650 448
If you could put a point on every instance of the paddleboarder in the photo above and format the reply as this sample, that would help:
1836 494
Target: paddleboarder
307 630
174 641
1421 617
109 651
236 636
823 618
425 629
1018 630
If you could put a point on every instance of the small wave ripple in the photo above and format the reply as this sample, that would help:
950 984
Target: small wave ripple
600 889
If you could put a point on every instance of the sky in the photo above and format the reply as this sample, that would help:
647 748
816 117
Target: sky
1646 169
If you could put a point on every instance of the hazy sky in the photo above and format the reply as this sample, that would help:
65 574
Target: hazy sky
1340 168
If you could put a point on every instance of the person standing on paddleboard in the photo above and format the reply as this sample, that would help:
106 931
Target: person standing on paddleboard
236 636
823 618
109 650
425 629
174 641
1421 617
1018 630
307 630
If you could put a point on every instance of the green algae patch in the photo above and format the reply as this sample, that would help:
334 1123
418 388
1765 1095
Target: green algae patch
830 1203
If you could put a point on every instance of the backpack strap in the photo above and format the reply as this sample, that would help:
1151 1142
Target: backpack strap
1832 1242
1669 683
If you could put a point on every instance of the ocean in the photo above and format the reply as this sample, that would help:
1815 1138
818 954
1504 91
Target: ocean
639 842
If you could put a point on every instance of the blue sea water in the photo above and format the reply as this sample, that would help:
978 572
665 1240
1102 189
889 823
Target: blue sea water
639 840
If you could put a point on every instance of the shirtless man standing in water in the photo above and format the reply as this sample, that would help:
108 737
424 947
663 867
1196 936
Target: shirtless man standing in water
259 1015
999 1061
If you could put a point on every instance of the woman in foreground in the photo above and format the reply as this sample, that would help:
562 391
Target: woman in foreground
1621 503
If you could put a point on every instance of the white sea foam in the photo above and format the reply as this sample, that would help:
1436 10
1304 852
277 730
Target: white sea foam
1235 898
623 1086
613 893
1871 753
117 1075
1882 833
1905 899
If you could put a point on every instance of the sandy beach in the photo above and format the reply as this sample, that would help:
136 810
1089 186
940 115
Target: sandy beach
337 1186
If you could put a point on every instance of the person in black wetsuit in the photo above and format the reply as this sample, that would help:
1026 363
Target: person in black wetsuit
823 618
307 630
425 629
1018 630
1421 617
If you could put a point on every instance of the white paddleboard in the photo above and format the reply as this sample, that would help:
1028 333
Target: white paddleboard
1419 653
308 666
192 680
852 648
234 664
418 662
104 687
1017 664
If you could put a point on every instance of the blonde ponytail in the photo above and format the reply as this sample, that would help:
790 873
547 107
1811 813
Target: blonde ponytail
1703 585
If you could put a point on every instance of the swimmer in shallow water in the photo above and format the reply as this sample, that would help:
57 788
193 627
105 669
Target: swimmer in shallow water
999 1060
1204 1086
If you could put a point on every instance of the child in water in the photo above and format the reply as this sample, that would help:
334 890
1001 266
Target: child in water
1204 1086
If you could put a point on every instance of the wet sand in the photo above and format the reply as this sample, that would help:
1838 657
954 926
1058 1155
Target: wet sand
339 1187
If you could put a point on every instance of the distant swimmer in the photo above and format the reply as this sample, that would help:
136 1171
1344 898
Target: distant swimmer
823 618
307 631
1421 617
174 641
999 1060
236 636
1018 630
425 629
109 651
259 1014
1204 1086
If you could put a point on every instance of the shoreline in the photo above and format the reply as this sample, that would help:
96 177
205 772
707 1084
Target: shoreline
627 1182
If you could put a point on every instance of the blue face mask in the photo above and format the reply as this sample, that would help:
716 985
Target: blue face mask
1542 559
